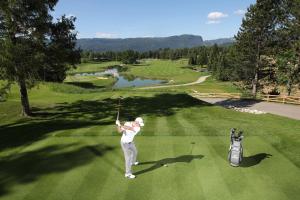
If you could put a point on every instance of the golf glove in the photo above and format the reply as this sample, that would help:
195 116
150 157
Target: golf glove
118 123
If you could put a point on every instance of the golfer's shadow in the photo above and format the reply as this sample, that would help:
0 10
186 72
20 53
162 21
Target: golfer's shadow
254 160
160 163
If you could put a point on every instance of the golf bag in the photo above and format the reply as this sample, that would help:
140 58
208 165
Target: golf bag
235 154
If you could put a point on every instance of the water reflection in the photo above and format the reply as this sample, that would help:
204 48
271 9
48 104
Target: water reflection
123 80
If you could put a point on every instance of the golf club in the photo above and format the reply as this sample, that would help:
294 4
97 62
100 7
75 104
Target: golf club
119 105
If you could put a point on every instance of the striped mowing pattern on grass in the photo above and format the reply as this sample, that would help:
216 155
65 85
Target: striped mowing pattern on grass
209 177
71 150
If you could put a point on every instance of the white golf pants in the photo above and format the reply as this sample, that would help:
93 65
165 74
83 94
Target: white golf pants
130 153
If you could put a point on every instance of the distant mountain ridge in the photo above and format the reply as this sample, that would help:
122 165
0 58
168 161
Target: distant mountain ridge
220 41
147 43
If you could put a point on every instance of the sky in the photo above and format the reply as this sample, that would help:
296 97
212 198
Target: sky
211 19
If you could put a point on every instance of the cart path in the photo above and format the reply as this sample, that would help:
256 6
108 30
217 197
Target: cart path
201 79
286 110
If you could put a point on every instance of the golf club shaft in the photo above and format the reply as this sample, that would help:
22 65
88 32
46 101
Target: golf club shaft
119 109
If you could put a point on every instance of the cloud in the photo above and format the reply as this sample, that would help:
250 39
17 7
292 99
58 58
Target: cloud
213 22
240 12
105 35
215 17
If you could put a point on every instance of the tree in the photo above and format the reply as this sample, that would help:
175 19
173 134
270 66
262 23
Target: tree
129 57
202 58
26 40
60 50
221 68
192 59
288 60
289 69
213 58
4 89
256 36
236 72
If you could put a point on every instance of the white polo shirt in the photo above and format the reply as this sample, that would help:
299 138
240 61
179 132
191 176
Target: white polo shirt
128 135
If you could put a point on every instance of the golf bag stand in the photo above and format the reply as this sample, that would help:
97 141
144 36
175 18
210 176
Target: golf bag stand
235 154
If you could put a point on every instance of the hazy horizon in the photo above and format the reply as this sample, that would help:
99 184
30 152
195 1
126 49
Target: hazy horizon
159 37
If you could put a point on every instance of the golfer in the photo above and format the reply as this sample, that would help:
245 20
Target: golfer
129 130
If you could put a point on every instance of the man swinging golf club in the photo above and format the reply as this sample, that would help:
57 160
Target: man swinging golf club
129 130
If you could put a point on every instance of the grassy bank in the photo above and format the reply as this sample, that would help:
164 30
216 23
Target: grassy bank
93 67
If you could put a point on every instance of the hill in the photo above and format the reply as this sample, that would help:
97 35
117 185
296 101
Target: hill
145 44
220 41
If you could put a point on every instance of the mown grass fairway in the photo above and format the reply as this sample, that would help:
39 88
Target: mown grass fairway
174 71
70 148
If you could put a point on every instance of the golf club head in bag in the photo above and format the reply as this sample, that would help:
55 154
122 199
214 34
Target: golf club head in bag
235 154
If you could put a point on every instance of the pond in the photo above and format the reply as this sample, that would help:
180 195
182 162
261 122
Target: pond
137 82
124 81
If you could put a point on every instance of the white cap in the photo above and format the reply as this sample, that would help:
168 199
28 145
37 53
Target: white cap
140 121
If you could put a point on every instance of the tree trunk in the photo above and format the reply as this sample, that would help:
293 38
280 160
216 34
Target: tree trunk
257 67
289 87
254 84
24 98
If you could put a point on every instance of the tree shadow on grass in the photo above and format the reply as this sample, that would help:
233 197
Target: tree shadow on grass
28 166
27 133
130 107
239 103
85 85
81 114
254 160
160 163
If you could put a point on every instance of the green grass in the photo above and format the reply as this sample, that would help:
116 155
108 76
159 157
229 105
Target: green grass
214 86
93 67
177 71
211 85
70 148
90 82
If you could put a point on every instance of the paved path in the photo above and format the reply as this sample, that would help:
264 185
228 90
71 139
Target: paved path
200 80
286 110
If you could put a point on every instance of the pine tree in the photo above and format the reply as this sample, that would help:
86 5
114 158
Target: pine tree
256 36
288 34
288 69
213 58
202 58
25 33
